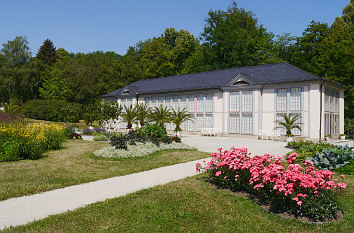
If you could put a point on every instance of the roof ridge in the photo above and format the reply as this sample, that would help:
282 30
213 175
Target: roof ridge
209 71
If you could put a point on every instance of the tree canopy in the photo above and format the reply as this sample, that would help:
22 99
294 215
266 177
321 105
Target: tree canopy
230 38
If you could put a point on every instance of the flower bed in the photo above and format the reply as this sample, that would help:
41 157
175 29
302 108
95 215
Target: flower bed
20 140
324 155
139 149
301 190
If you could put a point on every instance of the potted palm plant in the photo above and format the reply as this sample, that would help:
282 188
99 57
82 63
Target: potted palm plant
160 115
328 137
289 122
129 116
178 117
142 113
342 136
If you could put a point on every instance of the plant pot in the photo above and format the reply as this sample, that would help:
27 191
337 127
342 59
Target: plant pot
342 137
289 139
179 133
327 138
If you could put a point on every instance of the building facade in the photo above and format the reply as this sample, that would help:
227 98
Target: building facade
245 100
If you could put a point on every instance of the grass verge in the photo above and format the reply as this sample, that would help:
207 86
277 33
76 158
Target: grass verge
188 205
74 164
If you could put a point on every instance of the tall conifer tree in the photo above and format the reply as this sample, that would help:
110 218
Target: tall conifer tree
47 52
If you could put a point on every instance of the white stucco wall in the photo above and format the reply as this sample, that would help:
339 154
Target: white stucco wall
341 112
315 111
218 111
226 115
268 111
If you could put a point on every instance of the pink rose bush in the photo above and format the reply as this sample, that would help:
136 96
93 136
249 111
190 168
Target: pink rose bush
302 190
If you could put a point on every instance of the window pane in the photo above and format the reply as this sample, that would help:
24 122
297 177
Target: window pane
246 124
327 105
168 101
168 126
247 101
234 101
199 122
122 102
161 100
295 99
209 102
296 131
129 102
191 124
153 101
191 103
200 103
184 126
235 123
183 103
336 101
282 130
209 121
175 102
281 99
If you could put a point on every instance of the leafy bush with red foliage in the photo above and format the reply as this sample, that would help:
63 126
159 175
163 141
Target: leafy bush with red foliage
302 190
75 136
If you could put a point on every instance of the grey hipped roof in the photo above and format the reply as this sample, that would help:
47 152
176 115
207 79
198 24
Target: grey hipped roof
258 75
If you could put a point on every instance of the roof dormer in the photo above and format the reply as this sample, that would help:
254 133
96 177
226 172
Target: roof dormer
241 79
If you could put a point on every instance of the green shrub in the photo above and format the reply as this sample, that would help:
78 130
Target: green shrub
21 140
307 149
54 139
101 137
72 112
349 127
12 108
154 130
347 169
119 142
166 139
300 143
10 150
333 158
176 139
49 110
155 139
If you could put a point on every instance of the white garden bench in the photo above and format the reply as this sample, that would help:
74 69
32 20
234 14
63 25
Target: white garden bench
209 132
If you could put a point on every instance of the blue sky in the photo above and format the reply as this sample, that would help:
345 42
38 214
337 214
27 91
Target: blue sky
108 25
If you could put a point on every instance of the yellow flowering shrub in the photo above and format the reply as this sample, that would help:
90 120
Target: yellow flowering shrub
28 140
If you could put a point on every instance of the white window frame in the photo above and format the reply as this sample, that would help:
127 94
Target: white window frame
295 99
241 117
282 101
209 102
200 103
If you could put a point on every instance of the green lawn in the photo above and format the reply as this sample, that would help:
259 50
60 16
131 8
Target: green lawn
74 164
189 205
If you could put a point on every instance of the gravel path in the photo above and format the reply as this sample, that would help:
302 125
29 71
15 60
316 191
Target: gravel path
254 146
